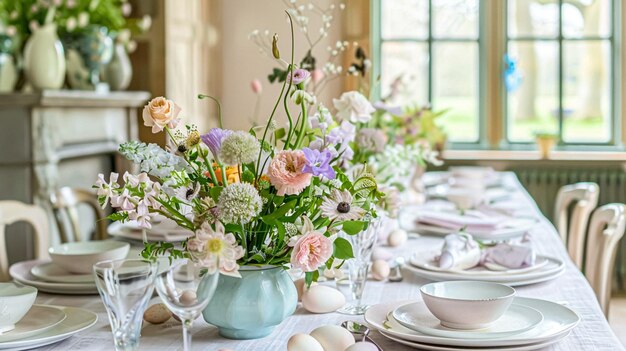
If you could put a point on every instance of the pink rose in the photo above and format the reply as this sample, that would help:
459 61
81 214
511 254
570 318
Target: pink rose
311 251
285 172
159 113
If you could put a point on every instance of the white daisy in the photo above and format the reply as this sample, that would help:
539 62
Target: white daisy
338 206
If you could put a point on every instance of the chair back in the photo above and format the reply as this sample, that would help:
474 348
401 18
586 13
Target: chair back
65 204
605 231
15 211
582 199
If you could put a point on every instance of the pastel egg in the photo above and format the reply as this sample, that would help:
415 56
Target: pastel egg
380 270
380 253
333 337
188 298
397 238
303 342
362 346
322 299
157 314
301 286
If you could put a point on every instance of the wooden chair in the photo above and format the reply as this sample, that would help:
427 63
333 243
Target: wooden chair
605 231
15 211
65 204
582 199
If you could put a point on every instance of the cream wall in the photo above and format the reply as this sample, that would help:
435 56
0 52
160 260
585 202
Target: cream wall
242 62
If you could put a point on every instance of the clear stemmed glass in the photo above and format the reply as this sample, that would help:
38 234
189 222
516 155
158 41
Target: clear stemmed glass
186 289
362 247
125 287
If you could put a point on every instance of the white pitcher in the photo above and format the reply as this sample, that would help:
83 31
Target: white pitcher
119 72
44 60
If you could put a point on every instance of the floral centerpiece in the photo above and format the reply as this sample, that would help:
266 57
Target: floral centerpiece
276 199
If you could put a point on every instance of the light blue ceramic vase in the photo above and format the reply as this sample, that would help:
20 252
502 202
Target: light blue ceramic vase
251 307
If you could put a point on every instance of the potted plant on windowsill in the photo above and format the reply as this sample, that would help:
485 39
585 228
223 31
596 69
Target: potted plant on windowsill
546 142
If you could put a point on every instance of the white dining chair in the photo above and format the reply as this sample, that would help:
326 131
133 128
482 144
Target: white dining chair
15 211
606 228
65 206
574 204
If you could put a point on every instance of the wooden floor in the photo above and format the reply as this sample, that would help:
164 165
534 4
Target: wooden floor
617 317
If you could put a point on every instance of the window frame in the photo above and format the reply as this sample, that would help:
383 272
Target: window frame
493 43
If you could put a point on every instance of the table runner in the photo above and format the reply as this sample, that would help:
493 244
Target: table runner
593 333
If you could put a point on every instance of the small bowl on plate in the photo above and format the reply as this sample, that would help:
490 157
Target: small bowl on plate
467 304
15 301
79 257
465 199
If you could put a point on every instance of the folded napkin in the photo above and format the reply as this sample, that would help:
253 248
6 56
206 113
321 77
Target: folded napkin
510 256
460 251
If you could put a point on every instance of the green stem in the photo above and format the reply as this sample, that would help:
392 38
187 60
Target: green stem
244 241
210 168
219 107
303 127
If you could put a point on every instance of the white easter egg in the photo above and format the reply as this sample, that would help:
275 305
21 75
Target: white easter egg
380 270
362 346
397 238
303 342
188 298
380 253
301 286
333 337
322 299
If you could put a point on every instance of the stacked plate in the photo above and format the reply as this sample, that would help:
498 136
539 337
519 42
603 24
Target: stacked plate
529 324
48 277
164 231
545 268
44 325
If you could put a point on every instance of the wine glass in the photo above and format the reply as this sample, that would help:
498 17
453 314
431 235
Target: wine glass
125 287
186 288
362 247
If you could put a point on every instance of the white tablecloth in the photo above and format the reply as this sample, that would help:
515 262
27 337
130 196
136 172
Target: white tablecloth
593 333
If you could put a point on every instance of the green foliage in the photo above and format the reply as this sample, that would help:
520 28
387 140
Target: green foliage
342 249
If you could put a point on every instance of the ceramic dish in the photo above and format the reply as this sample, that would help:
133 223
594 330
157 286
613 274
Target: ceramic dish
51 272
522 227
21 273
528 347
79 257
39 319
426 260
467 304
516 320
134 233
553 269
557 321
15 301
77 320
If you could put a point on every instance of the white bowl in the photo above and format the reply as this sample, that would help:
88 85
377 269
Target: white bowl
465 198
467 304
79 257
15 302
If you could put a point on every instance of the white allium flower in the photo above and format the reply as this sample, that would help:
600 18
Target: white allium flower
239 203
239 147
354 107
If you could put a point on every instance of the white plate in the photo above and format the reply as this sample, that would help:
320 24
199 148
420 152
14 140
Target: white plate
551 270
39 319
428 347
21 273
516 320
493 194
77 320
524 225
52 273
427 261
133 232
557 321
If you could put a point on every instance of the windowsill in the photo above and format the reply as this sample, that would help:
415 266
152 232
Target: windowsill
533 155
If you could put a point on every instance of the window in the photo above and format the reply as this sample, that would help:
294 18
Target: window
557 66
430 54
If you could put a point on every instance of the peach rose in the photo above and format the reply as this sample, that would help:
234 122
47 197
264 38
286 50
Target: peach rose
285 172
311 251
159 113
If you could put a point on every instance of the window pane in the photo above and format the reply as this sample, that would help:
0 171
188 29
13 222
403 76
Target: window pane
533 103
404 19
587 91
587 18
404 72
536 18
455 19
455 87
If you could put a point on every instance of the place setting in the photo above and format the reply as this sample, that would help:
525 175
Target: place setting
161 230
465 314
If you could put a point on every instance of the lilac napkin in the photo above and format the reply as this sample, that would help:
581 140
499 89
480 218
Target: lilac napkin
510 256
460 251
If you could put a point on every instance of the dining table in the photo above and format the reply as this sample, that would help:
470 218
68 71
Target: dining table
570 289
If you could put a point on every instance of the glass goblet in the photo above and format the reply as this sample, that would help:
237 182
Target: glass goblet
125 287
186 288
